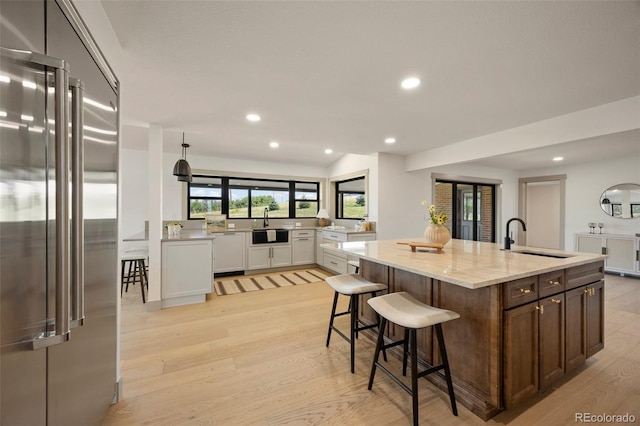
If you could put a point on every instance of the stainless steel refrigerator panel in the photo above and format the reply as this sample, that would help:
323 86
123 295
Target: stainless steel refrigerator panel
82 372
22 25
23 240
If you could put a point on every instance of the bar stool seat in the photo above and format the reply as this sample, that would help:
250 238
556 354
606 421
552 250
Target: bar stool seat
137 271
351 285
404 310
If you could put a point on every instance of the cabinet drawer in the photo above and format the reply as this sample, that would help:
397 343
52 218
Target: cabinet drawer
335 263
583 274
334 236
308 233
551 283
520 291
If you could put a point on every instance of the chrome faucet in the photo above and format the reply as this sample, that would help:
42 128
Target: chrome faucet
507 238
265 221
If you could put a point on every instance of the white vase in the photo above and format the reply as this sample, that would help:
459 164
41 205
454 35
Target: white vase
437 234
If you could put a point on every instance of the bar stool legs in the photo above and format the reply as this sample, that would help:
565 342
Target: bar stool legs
137 272
351 285
354 322
405 311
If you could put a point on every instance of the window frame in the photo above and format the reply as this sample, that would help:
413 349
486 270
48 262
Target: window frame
339 197
226 188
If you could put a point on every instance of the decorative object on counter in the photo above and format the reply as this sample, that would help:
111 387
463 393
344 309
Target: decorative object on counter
592 227
363 225
322 216
173 229
600 225
182 168
233 285
216 222
436 231
416 244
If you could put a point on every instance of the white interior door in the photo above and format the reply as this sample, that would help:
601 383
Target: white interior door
542 207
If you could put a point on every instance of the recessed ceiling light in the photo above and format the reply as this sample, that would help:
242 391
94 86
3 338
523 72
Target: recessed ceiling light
274 144
253 117
328 151
390 140
410 83
558 158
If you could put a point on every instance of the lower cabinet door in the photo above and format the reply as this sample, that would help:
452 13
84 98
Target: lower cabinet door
575 328
551 341
259 257
520 353
280 256
595 318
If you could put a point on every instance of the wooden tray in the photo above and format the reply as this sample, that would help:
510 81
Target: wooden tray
416 244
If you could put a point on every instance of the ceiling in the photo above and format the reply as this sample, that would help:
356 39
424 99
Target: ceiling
327 74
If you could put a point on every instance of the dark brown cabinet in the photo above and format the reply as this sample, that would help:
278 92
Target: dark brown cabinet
547 338
595 317
534 348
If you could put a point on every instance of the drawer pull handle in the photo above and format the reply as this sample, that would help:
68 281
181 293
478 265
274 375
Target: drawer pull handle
541 309
525 291
552 282
333 263
586 290
556 300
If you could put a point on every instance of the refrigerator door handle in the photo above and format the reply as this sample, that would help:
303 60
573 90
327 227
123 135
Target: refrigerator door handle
77 219
59 333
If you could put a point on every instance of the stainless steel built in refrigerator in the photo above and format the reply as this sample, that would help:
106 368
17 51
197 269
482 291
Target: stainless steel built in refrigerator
58 218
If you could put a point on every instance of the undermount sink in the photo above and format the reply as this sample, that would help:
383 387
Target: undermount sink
543 254
259 236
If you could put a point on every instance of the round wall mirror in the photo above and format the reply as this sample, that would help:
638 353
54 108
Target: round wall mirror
622 201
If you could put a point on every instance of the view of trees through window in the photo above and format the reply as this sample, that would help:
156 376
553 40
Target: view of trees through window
351 199
248 198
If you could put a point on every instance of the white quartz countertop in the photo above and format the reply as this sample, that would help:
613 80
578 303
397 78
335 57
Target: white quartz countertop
471 264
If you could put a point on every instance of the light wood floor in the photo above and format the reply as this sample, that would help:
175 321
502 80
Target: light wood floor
259 358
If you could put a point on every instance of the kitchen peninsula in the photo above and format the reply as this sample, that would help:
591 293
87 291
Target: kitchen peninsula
528 316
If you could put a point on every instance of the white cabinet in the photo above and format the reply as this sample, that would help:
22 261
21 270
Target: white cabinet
319 250
229 252
187 271
303 246
265 256
337 262
623 251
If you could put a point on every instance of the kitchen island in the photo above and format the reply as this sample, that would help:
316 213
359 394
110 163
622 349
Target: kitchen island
528 316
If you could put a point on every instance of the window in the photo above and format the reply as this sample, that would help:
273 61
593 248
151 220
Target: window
306 199
350 199
205 197
244 198
470 207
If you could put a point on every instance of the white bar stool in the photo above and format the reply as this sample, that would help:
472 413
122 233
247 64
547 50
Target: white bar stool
355 264
137 271
404 310
351 285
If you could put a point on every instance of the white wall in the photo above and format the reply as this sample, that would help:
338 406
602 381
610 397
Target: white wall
585 183
400 213
134 192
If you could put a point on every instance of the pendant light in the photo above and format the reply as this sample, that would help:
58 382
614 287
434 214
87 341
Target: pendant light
182 168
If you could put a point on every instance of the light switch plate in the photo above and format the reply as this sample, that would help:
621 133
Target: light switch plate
231 225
